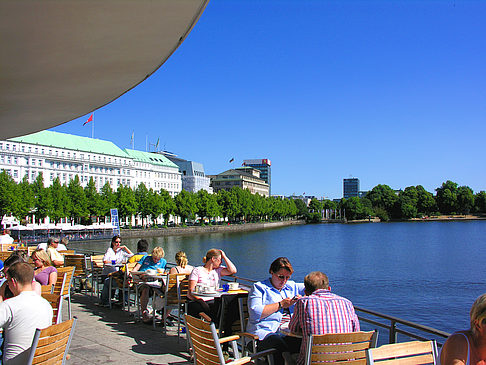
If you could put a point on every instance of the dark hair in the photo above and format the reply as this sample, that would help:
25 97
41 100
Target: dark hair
142 246
52 239
281 263
13 259
315 280
22 272
114 238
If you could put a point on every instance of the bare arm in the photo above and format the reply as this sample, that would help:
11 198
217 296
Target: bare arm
230 268
192 285
126 249
52 278
273 307
454 351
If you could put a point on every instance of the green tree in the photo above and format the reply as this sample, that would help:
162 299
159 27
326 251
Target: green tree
302 209
78 206
126 202
155 204
26 203
228 202
185 205
94 200
382 196
405 207
465 199
60 201
108 199
425 201
168 205
8 194
207 205
447 197
480 202
355 209
142 197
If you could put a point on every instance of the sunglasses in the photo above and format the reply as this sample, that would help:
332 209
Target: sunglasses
282 277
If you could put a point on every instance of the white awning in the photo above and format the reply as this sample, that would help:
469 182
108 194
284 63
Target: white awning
61 59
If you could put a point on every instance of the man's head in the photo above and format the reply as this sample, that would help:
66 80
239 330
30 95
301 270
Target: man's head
142 246
314 281
53 242
157 254
65 241
19 277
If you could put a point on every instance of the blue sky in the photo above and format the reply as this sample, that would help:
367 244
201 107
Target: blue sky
391 92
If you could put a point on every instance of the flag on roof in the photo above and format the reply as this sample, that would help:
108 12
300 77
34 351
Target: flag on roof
90 119
231 160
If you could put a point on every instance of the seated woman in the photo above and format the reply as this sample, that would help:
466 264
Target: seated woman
209 275
468 347
154 262
117 253
44 273
5 292
269 302
182 266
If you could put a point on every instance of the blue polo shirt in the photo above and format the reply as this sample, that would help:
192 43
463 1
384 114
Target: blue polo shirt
148 264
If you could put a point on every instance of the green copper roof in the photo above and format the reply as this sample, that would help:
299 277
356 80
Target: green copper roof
72 142
149 157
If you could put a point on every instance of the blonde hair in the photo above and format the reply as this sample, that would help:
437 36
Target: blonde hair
211 253
478 312
181 259
42 256
158 252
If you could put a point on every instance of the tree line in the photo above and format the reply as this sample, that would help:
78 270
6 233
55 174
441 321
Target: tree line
413 202
82 205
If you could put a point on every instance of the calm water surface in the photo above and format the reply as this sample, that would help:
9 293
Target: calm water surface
427 272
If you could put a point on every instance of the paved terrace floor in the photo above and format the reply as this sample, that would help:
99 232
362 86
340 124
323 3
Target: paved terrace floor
106 336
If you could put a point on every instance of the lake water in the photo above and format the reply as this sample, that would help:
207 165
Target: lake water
426 272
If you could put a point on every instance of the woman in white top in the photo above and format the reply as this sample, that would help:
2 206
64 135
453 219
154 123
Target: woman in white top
208 275
468 347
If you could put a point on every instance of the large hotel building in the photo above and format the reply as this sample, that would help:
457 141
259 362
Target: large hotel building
63 156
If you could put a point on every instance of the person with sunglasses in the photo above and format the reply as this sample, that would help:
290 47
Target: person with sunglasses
271 303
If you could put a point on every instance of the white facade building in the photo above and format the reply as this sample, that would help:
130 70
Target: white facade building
64 156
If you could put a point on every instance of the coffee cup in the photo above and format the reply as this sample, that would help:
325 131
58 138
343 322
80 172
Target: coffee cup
233 286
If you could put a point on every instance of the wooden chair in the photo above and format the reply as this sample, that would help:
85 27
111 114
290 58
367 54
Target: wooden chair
127 284
4 247
340 348
50 345
67 252
206 344
95 272
413 352
81 268
5 255
69 271
55 300
176 288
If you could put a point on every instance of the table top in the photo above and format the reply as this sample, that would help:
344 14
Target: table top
284 329
220 292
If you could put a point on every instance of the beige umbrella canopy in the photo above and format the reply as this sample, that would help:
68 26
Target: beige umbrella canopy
61 59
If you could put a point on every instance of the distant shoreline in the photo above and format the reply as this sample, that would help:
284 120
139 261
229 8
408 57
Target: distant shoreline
193 230
440 218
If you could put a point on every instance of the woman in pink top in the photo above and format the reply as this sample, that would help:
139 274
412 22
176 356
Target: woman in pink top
208 275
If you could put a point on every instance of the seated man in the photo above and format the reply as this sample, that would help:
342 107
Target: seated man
56 258
321 312
154 262
21 315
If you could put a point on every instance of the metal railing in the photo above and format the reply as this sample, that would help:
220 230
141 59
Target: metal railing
393 325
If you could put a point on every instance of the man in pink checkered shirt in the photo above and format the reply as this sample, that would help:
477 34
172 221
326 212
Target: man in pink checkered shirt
321 312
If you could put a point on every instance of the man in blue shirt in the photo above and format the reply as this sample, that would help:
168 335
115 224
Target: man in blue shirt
155 262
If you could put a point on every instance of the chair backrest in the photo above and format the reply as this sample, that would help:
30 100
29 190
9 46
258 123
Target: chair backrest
238 325
55 302
78 261
51 344
97 263
413 352
172 287
204 341
8 247
345 348
60 283
5 255
69 272
47 289
67 252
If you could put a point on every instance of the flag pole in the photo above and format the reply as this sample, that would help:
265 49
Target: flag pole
92 127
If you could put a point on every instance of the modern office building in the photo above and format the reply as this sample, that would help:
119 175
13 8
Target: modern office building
350 187
265 167
244 177
193 176
63 156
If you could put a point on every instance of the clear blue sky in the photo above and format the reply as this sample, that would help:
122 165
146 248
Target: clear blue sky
391 92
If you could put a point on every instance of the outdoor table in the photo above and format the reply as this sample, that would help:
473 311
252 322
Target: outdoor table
284 329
